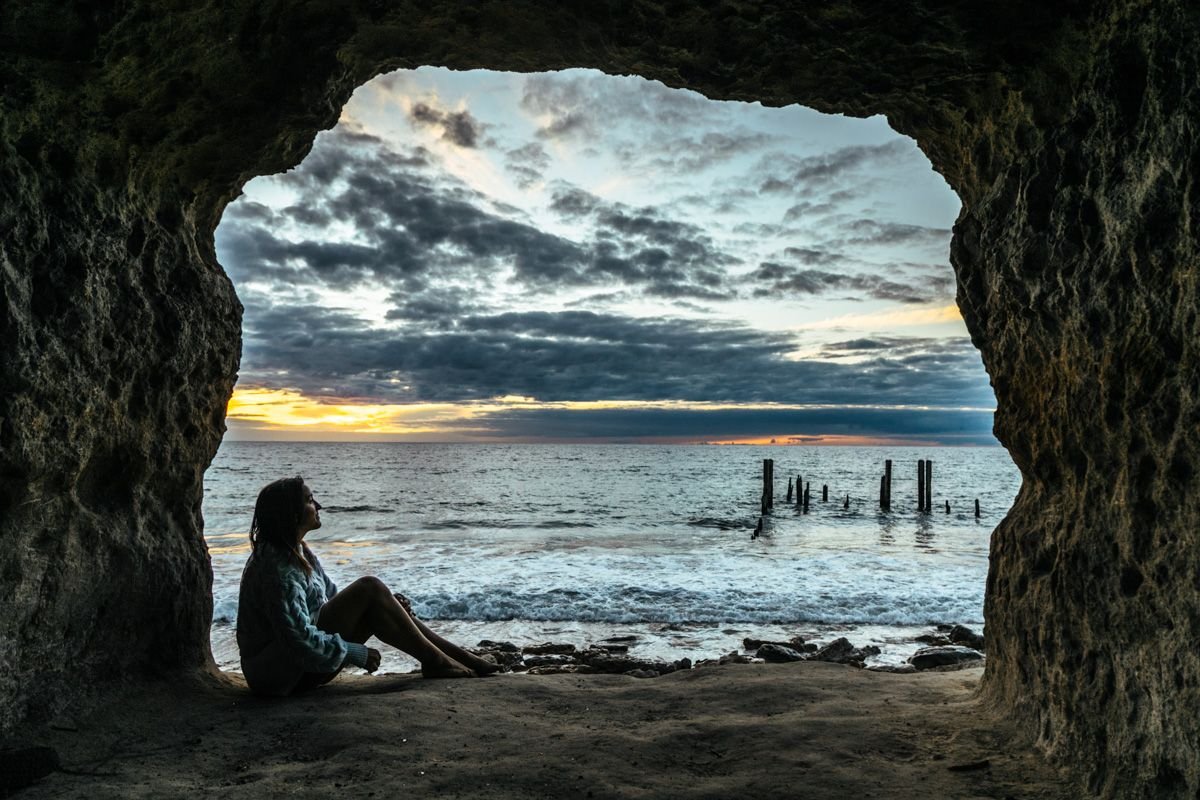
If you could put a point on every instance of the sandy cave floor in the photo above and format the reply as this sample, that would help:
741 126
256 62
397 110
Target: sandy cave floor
761 730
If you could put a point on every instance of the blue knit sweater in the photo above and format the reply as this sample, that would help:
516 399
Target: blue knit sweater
277 631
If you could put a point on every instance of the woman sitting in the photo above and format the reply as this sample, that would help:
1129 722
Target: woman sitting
295 630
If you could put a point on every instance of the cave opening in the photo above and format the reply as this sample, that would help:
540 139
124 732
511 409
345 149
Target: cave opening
573 258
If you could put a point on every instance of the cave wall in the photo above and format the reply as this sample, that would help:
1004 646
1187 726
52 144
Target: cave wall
1069 134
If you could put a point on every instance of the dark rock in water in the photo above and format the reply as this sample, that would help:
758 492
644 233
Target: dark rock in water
561 669
929 657
642 673
795 643
627 638
777 653
25 766
683 664
611 648
548 660
616 663
729 658
504 647
736 658
960 634
899 669
840 651
932 639
502 657
548 648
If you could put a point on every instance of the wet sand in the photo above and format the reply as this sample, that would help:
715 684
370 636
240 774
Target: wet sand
805 730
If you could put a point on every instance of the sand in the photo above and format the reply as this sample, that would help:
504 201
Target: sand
759 730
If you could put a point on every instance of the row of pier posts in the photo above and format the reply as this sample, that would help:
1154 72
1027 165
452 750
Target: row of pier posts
802 490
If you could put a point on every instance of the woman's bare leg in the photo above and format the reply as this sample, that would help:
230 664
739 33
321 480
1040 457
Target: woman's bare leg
366 608
481 666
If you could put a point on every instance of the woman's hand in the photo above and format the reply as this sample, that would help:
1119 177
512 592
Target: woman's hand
404 601
373 659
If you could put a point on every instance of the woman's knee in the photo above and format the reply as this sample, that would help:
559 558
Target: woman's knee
372 586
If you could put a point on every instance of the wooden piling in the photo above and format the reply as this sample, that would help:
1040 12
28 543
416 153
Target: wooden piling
947 506
789 497
887 474
799 490
846 505
920 484
757 529
929 484
976 508
771 484
807 495
824 493
768 492
882 492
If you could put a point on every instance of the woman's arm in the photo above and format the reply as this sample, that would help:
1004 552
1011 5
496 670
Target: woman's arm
315 650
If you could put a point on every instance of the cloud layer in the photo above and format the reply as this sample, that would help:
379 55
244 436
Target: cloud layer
478 259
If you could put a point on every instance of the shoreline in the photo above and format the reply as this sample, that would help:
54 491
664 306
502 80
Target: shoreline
664 642
775 730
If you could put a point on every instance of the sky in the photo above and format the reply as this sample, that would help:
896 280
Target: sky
572 256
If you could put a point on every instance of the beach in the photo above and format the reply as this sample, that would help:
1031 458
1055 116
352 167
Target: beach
806 730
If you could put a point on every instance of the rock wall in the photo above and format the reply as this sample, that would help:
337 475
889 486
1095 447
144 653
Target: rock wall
1069 135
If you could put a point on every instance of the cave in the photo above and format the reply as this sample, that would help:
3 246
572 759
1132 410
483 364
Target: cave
1067 133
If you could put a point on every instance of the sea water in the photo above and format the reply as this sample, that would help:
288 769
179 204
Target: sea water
579 543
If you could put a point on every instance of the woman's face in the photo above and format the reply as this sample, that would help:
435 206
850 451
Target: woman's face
310 513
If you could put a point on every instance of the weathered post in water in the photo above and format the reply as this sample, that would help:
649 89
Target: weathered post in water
976 508
921 484
771 483
825 493
887 474
799 490
807 491
846 505
947 506
766 486
929 484
883 492
789 497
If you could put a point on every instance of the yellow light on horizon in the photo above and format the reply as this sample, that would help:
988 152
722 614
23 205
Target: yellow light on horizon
280 412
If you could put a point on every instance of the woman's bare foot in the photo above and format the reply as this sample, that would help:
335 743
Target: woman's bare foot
445 669
481 666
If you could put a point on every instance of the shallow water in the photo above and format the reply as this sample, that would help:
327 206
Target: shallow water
582 542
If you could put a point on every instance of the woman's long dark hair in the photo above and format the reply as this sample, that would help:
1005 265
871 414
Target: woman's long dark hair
277 516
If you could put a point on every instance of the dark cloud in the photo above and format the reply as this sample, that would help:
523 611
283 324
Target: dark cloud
571 201
945 426
874 232
684 155
829 171
413 231
775 279
434 307
580 355
587 106
458 127
527 163
811 256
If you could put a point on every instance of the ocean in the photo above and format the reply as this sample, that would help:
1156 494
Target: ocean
578 543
